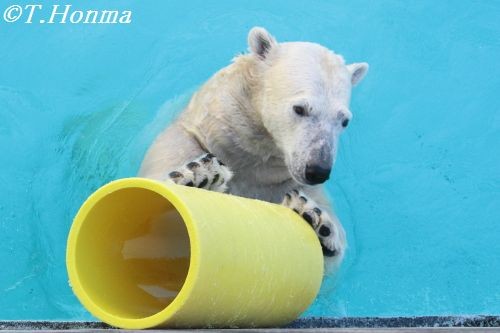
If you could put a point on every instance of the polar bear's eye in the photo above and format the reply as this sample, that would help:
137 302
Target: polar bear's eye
300 110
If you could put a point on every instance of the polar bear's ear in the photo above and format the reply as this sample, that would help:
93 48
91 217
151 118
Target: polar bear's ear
260 42
358 72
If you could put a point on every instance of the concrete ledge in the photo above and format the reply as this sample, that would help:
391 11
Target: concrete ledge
320 324
387 322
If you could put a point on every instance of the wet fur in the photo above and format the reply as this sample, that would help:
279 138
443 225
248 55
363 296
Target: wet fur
236 114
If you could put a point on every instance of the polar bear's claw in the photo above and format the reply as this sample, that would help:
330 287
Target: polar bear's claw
205 172
324 226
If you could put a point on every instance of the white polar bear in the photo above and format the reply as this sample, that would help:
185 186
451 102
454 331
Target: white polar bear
274 117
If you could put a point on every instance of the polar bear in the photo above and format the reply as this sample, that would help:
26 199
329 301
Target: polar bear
266 127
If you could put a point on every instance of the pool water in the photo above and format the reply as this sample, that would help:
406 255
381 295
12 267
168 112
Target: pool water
417 180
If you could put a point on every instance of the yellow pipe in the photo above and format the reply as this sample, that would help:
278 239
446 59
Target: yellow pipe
145 254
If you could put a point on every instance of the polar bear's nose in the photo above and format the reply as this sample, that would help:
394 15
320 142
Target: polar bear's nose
317 174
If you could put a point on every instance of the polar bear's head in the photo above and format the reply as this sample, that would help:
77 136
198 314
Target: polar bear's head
304 101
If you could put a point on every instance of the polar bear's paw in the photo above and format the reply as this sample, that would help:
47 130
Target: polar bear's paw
329 231
205 172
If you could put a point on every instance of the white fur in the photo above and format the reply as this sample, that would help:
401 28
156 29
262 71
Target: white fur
244 116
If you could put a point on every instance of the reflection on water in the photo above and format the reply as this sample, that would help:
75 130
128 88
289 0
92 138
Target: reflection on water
158 259
152 243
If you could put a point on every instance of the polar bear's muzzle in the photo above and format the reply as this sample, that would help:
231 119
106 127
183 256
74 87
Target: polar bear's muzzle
313 166
319 165
310 160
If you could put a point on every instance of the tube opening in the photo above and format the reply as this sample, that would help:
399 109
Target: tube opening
133 253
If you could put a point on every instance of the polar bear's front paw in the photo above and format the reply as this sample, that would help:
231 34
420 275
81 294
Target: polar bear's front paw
329 231
205 172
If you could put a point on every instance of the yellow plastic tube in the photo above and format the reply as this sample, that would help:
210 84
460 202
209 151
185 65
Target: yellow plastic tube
144 254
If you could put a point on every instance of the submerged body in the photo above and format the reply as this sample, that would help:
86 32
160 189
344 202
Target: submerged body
273 117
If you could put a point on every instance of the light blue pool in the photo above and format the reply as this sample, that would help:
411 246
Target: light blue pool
416 184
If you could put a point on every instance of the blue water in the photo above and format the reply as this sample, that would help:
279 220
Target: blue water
417 180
